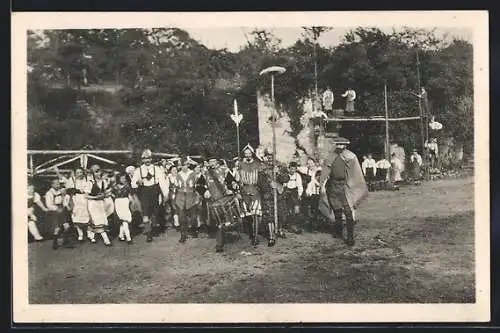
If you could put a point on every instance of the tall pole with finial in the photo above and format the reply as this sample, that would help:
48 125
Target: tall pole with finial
272 71
237 117
387 142
423 119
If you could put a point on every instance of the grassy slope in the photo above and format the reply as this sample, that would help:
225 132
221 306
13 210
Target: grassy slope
427 255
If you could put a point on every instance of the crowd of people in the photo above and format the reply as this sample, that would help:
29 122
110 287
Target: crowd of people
176 194
184 195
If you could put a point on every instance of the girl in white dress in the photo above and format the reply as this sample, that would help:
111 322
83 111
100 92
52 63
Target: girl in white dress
34 199
78 204
96 190
121 192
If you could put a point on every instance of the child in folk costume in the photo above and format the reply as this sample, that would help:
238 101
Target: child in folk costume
172 176
415 165
383 167
109 180
292 193
186 200
34 199
56 215
396 166
369 168
201 187
135 204
78 205
312 192
96 190
122 194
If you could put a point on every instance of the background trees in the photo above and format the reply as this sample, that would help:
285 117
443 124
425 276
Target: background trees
122 88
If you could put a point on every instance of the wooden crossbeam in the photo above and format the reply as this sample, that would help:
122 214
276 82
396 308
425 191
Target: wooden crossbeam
369 119
66 152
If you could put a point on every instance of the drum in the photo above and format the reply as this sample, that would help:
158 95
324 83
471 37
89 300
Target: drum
226 212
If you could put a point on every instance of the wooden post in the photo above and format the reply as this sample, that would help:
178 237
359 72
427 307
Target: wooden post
32 166
387 152
422 121
275 193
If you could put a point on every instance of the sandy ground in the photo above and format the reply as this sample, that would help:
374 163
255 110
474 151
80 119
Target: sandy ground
412 245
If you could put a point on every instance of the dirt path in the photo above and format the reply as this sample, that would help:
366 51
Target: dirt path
415 245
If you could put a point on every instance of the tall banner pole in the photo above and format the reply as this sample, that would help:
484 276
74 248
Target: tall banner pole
238 139
387 148
237 117
275 190
272 71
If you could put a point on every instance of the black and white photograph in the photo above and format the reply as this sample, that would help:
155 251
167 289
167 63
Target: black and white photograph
250 167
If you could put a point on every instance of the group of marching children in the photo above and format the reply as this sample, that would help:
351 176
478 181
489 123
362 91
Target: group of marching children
175 191
84 202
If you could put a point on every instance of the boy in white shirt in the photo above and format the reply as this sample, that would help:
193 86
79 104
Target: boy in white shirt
292 193
56 215
312 193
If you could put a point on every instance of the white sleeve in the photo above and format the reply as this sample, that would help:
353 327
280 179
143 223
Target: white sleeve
353 95
300 187
136 177
88 186
49 201
344 94
309 189
163 182
69 183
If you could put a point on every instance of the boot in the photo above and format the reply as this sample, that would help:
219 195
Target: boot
254 241
55 244
220 240
194 232
337 229
183 238
67 242
149 237
350 233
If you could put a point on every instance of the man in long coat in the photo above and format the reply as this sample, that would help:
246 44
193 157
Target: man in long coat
345 188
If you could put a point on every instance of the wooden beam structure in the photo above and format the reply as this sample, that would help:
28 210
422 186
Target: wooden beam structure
110 152
370 119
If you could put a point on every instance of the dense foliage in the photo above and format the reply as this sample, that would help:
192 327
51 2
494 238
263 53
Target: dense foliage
162 89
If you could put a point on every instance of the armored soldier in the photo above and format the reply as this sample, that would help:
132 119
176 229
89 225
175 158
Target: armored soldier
252 181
